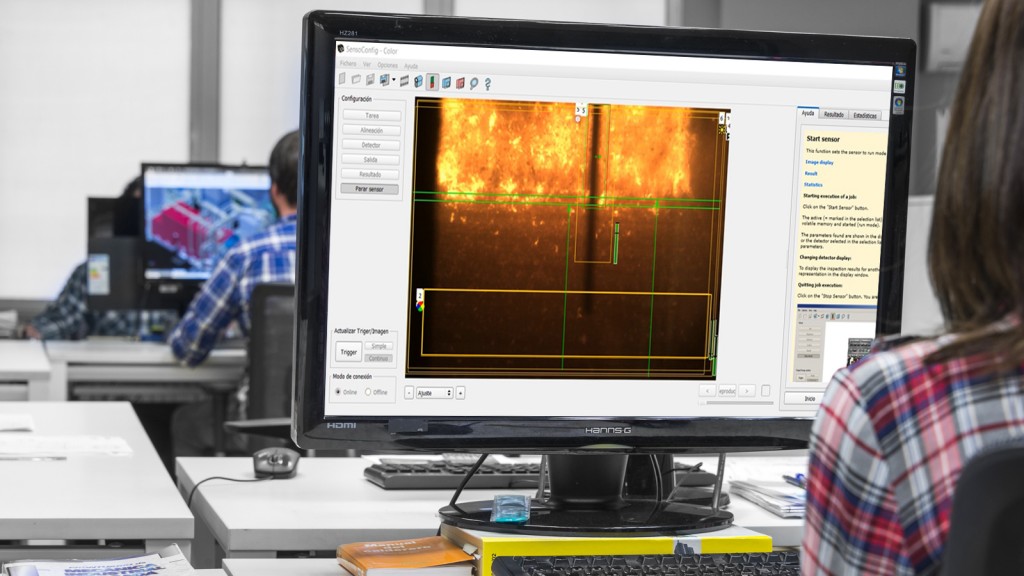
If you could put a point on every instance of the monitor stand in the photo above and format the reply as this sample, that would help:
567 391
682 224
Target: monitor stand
586 500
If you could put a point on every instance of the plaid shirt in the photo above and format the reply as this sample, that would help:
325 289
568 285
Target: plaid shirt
886 450
69 317
266 257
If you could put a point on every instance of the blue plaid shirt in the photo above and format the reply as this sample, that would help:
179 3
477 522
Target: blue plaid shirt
266 257
69 317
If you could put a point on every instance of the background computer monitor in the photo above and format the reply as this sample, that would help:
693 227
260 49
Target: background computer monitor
542 237
191 215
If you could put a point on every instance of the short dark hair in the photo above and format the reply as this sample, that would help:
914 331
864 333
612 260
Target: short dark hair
976 250
284 166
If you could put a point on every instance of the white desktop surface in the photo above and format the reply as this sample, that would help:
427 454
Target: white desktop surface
210 572
329 503
124 361
25 361
278 567
91 496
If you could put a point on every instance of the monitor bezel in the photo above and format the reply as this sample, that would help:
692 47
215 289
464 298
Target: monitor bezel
322 29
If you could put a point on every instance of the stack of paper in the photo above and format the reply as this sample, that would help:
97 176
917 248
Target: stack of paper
168 562
779 498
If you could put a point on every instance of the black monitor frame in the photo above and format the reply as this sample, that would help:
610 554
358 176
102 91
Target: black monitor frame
321 30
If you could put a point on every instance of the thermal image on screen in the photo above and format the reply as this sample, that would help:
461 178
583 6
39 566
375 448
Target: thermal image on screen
566 239
198 225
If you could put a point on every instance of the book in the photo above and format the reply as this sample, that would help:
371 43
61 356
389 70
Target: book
486 546
167 562
431 556
779 498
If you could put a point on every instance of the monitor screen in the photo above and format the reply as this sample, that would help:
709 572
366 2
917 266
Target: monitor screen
538 236
193 214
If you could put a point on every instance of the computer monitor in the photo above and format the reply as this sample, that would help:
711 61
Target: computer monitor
191 215
552 237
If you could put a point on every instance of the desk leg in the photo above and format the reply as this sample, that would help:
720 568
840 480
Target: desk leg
55 389
154 546
220 409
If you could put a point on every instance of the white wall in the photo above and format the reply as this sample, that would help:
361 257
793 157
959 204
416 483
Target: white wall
921 312
88 90
261 59
651 12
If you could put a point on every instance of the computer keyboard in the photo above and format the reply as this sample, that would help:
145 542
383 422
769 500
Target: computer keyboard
444 475
773 564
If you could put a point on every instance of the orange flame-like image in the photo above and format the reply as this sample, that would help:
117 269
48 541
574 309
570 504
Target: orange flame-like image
560 238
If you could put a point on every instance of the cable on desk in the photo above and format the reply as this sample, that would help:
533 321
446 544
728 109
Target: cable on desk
198 484
465 479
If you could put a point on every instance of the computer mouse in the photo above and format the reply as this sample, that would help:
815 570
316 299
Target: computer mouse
275 462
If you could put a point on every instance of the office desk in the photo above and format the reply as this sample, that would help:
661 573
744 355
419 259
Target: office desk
329 503
277 567
90 497
26 361
145 362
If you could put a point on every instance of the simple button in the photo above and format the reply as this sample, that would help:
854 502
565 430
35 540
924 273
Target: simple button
707 390
376 189
727 391
372 115
370 145
460 392
866 114
370 130
833 114
370 159
410 392
766 389
809 398
348 351
369 174
379 345
435 392
747 390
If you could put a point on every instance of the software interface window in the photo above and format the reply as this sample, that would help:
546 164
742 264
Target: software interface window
581 234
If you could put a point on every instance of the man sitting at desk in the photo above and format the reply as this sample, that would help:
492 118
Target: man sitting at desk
266 257
69 317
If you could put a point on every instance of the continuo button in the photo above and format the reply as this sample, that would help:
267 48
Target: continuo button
378 358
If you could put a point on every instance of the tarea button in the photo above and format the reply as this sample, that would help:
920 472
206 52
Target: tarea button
708 390
372 115
803 398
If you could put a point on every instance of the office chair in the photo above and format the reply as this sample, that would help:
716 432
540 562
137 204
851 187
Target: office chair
986 534
272 322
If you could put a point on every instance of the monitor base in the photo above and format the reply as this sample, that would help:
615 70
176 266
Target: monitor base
631 517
